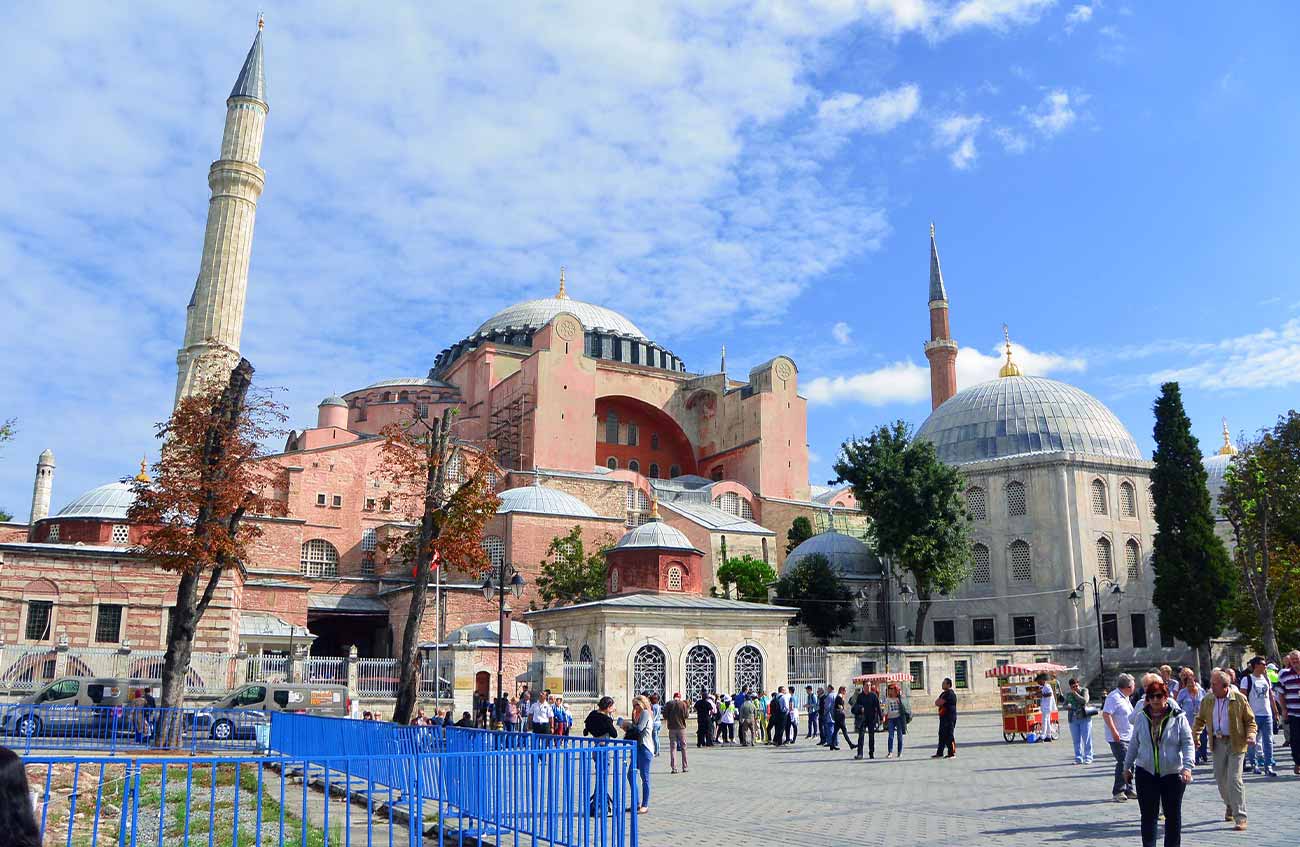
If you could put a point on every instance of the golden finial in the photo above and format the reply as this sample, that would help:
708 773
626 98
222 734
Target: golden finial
261 22
1010 368
563 295
1227 449
654 504
143 475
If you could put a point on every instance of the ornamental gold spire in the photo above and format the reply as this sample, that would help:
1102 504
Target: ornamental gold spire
562 295
654 504
1010 368
143 475
1227 449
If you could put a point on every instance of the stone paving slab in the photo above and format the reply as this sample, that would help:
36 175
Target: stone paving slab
993 793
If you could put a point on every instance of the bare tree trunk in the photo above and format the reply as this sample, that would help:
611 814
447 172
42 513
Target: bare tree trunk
922 611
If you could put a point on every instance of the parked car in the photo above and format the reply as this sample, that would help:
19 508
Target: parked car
221 724
64 706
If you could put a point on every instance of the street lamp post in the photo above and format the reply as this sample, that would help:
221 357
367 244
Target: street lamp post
515 583
1077 596
904 591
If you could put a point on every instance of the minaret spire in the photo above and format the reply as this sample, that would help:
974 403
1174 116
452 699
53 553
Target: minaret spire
722 367
941 349
214 319
41 491
1228 448
1009 368
562 294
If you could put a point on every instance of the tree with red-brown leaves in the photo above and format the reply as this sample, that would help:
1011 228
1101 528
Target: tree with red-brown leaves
446 485
205 483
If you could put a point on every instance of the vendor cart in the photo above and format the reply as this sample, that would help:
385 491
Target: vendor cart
1021 698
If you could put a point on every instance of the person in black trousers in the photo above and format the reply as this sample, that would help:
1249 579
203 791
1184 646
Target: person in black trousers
947 703
703 721
777 705
840 713
868 715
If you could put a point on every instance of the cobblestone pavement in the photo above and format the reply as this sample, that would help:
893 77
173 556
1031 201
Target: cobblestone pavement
993 793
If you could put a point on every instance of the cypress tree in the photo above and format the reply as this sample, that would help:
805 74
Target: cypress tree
1194 580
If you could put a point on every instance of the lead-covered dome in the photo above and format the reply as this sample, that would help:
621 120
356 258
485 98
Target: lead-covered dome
1021 415
539 500
108 502
1214 467
655 534
848 556
534 314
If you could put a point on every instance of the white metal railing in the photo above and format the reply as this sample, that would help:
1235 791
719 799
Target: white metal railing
326 669
428 691
27 668
268 668
580 679
808 665
377 677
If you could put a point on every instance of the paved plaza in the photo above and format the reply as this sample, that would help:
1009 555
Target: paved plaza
993 793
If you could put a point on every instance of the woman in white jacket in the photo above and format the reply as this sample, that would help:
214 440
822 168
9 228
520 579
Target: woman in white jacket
1160 758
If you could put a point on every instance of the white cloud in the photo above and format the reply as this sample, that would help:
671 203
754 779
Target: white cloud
995 14
842 332
846 112
1080 14
1013 142
909 382
1269 358
956 134
1054 114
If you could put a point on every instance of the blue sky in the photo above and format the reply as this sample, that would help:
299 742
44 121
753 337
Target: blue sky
1115 182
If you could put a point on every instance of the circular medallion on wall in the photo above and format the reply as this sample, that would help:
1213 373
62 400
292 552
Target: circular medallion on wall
783 369
566 328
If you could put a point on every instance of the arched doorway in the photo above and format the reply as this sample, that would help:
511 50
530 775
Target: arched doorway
649 671
701 671
749 668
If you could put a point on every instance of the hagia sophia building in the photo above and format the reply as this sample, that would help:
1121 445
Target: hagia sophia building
594 424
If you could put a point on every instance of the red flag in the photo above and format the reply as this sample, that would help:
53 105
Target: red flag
433 564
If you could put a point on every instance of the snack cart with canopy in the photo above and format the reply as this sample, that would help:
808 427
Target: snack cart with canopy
1021 708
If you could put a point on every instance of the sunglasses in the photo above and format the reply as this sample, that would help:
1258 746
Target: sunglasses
1157 696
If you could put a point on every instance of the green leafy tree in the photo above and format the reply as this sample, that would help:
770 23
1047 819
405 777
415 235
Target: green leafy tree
825 605
752 577
1261 500
570 574
801 529
916 507
1193 574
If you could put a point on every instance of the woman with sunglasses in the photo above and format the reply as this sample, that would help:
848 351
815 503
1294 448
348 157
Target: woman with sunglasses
1160 758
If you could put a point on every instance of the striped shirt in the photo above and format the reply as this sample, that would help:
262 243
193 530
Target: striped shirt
1289 681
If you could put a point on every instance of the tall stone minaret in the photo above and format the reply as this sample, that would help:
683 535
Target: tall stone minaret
215 316
941 349
42 490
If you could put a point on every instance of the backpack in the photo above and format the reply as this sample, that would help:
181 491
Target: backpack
906 710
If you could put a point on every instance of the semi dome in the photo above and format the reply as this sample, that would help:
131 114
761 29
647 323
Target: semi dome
534 314
333 400
654 534
1022 415
108 502
539 500
848 556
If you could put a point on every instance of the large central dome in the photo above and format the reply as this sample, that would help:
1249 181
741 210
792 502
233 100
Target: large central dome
532 314
1019 415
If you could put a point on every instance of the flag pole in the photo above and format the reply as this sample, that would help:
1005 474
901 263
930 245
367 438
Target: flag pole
437 642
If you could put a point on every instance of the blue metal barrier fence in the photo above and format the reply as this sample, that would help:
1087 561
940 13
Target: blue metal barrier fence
114 729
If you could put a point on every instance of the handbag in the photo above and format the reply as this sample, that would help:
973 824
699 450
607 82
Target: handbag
1091 711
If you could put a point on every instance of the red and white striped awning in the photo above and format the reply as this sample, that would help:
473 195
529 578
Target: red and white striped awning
1028 669
882 677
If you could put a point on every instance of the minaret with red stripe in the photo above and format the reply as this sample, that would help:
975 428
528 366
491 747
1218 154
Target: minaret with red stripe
941 349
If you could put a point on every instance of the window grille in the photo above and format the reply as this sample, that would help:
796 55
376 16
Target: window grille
456 469
649 671
495 548
584 655
1127 500
634 466
611 428
121 534
674 578
1016 503
631 435
1098 497
1105 567
749 669
613 581
367 564
961 674
422 410
54 533
108 624
654 471
981 569
1151 501
701 672
917 669
492 480
369 540
39 613
319 558
1021 564
975 505
746 510
607 346
1133 558
611 463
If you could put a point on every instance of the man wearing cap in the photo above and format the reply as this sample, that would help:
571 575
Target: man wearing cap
1232 728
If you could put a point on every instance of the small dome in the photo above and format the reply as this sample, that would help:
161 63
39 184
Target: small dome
109 502
333 400
408 380
655 534
540 500
533 314
485 633
847 555
1214 467
1020 415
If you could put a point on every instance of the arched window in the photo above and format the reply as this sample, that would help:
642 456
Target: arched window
568 657
369 540
1105 566
981 570
674 578
613 581
403 396
495 548
1127 500
634 466
1151 501
701 672
1016 502
455 468
611 463
654 471
584 655
1098 497
976 508
654 441
746 510
674 472
631 435
1022 568
611 428
1133 558
729 503
749 668
388 397
649 671
764 549
492 480
319 558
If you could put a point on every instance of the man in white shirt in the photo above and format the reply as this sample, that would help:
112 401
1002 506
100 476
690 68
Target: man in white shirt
1258 689
541 714
1117 715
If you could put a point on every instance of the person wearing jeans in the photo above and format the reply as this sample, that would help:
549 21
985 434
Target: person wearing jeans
895 720
1117 714
1258 689
639 731
1076 702
1288 701
1159 757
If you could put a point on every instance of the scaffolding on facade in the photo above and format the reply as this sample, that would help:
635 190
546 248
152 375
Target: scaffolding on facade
510 425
